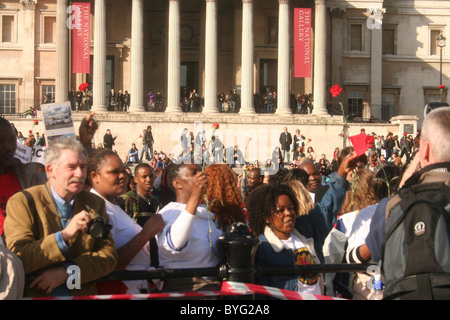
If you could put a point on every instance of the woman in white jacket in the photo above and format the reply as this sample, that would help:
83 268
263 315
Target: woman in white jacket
188 239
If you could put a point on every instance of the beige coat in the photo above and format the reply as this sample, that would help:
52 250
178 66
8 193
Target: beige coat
96 258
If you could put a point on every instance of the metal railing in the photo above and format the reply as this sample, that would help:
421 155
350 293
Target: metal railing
237 249
223 272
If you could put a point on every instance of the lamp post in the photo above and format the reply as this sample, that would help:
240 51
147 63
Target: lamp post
440 41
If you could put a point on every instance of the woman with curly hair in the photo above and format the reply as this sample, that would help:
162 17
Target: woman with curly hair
223 196
273 213
189 237
291 233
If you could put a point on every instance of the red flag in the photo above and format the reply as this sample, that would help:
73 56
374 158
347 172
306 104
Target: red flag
302 42
81 37
361 143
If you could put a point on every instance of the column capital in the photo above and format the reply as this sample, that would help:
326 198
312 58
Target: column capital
319 2
337 12
283 1
28 4
247 1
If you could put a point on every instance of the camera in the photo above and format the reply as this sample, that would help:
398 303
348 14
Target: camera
98 228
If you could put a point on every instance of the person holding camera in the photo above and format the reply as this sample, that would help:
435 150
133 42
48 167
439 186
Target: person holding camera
48 227
108 179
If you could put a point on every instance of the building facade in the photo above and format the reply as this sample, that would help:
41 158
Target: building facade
384 54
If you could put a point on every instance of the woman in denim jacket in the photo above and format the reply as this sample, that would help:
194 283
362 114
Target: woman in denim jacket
291 233
273 211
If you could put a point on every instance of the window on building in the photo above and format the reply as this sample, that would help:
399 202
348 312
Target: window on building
388 106
8 28
48 90
388 41
49 29
434 49
7 98
355 37
435 95
355 103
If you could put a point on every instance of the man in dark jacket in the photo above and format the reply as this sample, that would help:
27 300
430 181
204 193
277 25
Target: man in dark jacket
389 145
286 141
109 140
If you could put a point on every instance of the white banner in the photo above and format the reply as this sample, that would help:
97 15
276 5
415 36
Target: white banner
26 154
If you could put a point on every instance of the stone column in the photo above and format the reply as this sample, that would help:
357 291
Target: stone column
62 53
137 57
283 101
320 98
99 90
211 58
376 57
173 87
336 45
28 53
237 43
336 48
247 81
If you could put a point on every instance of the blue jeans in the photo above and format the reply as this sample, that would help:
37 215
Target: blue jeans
288 155
145 149
232 106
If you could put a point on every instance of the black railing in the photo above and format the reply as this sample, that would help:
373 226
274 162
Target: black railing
237 248
222 272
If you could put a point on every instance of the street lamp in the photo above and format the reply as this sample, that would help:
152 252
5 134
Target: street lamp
440 41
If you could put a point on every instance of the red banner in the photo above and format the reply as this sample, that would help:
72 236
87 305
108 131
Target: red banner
81 37
302 42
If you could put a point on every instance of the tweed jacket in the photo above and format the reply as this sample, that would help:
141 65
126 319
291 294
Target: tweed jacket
95 258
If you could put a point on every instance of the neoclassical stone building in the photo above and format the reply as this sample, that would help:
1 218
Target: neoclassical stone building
383 54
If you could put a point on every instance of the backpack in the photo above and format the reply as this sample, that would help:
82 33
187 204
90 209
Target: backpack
416 247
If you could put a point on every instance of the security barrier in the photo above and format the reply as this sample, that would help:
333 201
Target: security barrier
237 248
229 288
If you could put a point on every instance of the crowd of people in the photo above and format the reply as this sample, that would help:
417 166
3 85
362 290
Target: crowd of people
191 101
86 209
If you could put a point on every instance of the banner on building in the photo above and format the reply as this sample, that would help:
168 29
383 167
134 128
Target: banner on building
81 37
302 42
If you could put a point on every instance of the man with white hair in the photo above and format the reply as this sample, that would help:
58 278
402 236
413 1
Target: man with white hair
49 226
435 142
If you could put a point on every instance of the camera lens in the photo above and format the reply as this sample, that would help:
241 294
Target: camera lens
97 230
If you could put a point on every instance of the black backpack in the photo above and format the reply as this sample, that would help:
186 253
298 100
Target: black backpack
416 247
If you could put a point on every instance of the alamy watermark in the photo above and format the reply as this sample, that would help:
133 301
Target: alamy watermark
374 18
74 279
372 271
252 144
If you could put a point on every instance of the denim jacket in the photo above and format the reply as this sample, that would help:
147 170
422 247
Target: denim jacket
318 223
